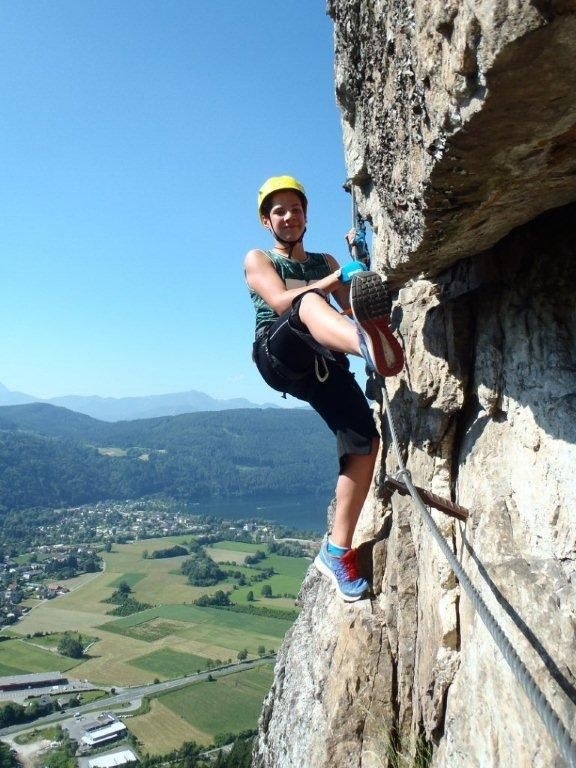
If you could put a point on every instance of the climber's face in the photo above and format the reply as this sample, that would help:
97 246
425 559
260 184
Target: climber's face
286 216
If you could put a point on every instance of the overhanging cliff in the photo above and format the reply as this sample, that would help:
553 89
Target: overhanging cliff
459 124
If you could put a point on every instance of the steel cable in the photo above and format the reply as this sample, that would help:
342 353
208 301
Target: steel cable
555 727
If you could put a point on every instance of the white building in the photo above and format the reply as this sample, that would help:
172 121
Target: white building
101 735
113 760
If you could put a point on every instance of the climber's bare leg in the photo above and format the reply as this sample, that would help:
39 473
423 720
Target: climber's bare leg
351 491
327 325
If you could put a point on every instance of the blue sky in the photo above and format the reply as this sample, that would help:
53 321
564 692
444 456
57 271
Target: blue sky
133 140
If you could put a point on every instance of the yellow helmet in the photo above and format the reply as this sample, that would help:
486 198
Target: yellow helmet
277 183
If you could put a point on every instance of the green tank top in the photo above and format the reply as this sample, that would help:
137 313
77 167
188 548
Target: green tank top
294 274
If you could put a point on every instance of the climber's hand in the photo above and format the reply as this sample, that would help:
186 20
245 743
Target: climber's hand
350 237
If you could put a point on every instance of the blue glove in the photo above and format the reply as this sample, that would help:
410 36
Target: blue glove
348 271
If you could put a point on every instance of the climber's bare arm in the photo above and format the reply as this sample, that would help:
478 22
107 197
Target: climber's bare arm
265 281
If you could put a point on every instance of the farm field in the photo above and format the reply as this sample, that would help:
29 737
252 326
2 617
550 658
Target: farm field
172 638
160 730
19 657
202 711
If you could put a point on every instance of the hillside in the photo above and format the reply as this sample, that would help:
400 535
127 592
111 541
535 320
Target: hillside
51 456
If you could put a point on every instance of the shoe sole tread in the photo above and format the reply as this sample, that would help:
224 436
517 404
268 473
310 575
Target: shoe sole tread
370 308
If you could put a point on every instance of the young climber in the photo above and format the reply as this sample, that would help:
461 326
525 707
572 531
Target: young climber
301 345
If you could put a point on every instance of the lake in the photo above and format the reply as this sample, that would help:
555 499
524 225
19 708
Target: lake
308 513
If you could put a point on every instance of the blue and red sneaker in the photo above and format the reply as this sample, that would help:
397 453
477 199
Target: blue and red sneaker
343 571
370 302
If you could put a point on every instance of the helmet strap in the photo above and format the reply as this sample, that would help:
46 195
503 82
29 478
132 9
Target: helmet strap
290 243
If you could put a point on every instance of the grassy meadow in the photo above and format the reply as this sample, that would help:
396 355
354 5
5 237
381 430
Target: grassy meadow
172 638
18 657
202 711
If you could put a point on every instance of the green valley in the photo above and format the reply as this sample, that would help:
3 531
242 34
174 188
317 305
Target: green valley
174 638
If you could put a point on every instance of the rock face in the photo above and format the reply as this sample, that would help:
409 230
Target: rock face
459 123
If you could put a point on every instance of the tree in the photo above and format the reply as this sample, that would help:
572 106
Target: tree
218 598
266 590
242 655
91 565
250 596
202 571
63 755
176 551
11 714
38 708
261 651
7 757
188 754
124 589
255 558
286 549
71 646
240 756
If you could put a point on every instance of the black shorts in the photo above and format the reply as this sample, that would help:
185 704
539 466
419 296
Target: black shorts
291 361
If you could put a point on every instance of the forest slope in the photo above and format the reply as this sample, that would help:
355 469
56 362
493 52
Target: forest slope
51 456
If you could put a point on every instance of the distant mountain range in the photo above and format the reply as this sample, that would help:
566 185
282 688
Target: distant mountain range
130 408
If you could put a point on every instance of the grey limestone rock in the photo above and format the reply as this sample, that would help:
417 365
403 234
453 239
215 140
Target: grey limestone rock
459 129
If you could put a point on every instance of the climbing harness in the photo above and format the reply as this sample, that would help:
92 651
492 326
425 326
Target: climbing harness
359 248
320 362
402 482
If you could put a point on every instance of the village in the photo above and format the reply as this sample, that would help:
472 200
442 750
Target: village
54 692
74 541
69 541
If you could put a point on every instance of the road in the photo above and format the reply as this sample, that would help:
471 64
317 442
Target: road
131 698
